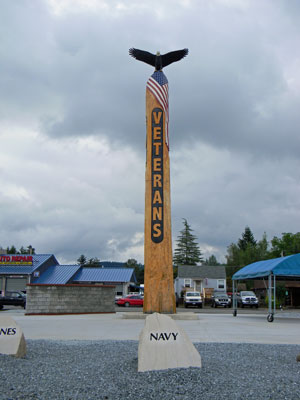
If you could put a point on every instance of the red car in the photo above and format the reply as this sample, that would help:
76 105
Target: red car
131 300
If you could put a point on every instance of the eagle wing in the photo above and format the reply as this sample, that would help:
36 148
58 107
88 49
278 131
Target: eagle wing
142 55
173 56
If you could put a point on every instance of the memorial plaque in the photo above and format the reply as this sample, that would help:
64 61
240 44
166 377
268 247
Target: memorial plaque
12 341
163 345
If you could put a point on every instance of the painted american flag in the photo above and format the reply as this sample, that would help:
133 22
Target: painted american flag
158 86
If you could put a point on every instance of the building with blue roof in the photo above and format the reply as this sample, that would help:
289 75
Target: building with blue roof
122 278
17 270
57 275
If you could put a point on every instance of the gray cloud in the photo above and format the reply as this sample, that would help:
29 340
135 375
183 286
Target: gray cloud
79 80
72 121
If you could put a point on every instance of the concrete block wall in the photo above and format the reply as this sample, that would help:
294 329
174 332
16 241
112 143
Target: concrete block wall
69 299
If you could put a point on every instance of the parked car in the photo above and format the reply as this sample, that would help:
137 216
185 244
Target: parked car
117 298
221 300
192 299
13 299
131 300
247 299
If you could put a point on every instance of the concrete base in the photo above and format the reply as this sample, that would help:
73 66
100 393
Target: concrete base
179 317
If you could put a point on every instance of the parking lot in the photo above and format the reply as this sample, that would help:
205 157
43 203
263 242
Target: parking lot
212 325
207 309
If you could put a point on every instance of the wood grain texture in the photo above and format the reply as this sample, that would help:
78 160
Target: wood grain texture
159 293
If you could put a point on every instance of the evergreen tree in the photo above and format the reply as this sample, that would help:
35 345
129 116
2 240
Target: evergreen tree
247 250
131 263
247 239
233 255
262 248
94 262
13 250
187 251
22 250
211 260
81 260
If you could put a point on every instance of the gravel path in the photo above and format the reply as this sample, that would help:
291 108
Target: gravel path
108 370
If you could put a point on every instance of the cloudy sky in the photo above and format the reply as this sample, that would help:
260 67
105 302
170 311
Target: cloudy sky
72 122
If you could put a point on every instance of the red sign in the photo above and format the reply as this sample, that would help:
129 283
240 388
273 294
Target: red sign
15 260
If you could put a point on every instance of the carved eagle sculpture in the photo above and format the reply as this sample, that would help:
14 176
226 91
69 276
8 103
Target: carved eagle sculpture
159 61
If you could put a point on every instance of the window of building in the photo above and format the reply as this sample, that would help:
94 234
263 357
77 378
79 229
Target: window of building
221 283
187 283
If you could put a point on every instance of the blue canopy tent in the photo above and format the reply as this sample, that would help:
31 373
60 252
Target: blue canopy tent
276 268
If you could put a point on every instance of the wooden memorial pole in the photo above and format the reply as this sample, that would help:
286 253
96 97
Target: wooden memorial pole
159 293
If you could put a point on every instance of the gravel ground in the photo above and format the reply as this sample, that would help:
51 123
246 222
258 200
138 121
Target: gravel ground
108 370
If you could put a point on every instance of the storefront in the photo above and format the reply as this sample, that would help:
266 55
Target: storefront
16 270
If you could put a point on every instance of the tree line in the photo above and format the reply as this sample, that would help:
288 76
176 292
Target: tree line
12 250
248 250
244 251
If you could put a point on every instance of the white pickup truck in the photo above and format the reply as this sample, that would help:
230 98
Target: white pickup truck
247 299
192 299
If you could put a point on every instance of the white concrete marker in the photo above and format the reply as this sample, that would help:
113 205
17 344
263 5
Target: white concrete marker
163 344
12 339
